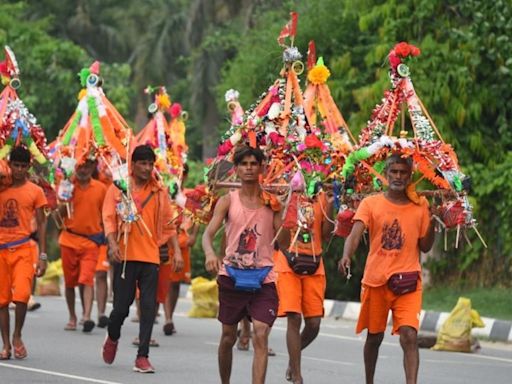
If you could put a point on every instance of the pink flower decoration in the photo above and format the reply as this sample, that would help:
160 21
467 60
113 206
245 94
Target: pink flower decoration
175 110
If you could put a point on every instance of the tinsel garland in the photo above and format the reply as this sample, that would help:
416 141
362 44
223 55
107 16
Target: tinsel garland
95 121
72 128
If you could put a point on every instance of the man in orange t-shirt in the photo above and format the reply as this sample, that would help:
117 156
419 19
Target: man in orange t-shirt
399 230
19 203
302 295
137 263
80 240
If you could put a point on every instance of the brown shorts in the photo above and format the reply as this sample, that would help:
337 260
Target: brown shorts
235 304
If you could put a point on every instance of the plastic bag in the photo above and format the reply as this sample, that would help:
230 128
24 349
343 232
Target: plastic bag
455 333
49 284
205 298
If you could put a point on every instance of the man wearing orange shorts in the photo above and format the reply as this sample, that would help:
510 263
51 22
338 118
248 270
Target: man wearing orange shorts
19 203
399 229
301 294
80 240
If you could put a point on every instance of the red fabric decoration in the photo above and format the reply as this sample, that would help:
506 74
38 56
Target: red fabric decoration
344 223
312 141
290 219
289 30
3 68
311 55
453 214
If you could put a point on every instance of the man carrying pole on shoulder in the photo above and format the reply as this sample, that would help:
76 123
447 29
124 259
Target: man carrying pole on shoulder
301 279
399 229
245 274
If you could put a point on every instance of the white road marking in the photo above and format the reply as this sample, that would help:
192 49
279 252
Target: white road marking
360 339
303 357
59 374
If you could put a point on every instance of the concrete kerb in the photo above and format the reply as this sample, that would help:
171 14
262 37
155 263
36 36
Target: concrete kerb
495 330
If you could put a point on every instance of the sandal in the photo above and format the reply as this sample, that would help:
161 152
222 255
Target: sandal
5 354
169 329
288 374
88 326
20 352
243 342
33 306
70 326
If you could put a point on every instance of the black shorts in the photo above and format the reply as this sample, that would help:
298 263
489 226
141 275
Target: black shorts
235 304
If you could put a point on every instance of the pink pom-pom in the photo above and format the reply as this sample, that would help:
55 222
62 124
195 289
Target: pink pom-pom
175 110
297 183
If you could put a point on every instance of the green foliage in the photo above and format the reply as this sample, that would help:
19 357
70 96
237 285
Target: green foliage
118 87
489 302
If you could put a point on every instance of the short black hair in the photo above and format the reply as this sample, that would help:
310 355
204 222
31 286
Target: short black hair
20 154
398 159
246 151
143 152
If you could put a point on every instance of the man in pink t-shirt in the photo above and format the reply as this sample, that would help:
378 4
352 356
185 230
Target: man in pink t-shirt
250 227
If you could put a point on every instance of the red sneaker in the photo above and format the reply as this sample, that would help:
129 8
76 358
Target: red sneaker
143 365
109 350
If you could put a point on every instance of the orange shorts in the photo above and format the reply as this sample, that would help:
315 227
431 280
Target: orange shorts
376 302
79 266
164 282
184 275
103 264
301 294
16 274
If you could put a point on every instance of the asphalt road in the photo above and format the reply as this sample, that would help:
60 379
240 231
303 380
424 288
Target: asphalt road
190 356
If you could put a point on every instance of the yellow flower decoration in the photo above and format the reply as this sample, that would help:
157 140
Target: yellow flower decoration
163 101
319 73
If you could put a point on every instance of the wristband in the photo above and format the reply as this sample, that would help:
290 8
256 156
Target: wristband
43 256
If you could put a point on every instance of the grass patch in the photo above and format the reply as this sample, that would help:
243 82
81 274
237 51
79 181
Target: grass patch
489 302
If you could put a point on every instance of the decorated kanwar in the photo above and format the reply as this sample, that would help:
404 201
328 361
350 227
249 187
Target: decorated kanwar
23 207
400 222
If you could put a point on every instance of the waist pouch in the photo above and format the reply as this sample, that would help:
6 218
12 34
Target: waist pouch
248 279
403 282
164 254
97 238
301 263
14 243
